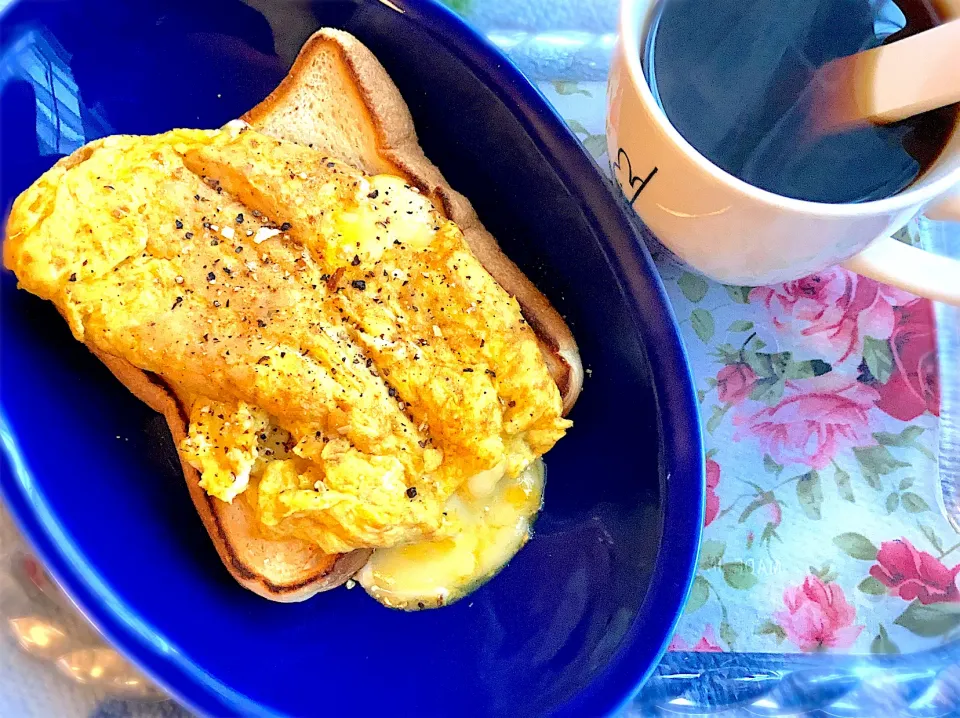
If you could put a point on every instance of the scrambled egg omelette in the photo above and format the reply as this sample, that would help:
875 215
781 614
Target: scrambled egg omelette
348 365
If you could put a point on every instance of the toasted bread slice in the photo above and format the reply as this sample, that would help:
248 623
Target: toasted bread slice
339 100
282 570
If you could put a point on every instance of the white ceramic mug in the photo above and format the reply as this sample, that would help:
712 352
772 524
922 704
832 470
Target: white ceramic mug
741 234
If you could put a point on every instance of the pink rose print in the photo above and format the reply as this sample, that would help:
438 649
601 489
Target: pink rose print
832 311
815 420
913 574
713 501
735 382
707 643
817 616
914 386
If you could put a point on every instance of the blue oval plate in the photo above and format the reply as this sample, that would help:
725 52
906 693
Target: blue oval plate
576 622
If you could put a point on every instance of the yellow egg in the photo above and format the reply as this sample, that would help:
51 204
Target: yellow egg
351 369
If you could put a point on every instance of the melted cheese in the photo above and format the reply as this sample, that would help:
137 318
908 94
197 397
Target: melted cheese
494 520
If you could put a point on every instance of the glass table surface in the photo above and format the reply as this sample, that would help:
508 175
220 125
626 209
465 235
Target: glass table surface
827 581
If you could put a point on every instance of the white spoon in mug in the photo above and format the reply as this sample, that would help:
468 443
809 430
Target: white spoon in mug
890 82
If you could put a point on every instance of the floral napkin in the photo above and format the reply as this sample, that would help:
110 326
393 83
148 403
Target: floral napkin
819 400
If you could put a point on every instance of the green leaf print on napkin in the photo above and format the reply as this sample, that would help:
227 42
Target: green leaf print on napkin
825 573
872 587
929 621
914 503
739 576
932 537
856 545
844 487
911 502
716 417
771 371
693 286
596 144
699 593
740 295
810 495
771 466
769 390
909 438
877 461
893 502
879 358
769 628
910 234
727 633
905 438
565 87
702 322
711 553
761 499
882 643
806 369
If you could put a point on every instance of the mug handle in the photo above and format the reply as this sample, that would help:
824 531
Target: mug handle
920 272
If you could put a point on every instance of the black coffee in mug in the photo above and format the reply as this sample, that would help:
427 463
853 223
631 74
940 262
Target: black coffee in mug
734 78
